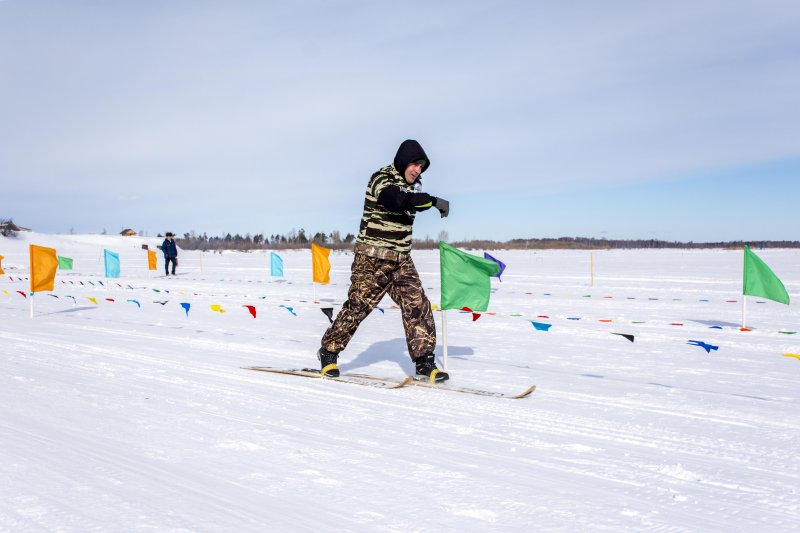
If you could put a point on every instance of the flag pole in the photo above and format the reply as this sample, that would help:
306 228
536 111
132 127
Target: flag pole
744 310
444 339
32 294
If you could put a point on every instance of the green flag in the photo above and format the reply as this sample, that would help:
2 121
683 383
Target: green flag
760 280
64 263
465 279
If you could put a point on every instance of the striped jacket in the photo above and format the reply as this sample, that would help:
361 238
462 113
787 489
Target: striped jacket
386 228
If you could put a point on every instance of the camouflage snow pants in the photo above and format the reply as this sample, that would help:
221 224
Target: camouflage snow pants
371 279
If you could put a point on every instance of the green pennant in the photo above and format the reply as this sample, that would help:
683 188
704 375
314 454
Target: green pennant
466 279
64 263
760 280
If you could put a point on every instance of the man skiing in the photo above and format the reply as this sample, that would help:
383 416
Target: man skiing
383 264
170 250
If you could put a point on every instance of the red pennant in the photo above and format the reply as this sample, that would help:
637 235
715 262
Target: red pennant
475 316
252 309
23 294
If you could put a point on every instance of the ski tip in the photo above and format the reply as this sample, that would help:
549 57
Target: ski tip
527 392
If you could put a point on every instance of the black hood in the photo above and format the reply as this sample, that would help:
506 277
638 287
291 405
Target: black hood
409 152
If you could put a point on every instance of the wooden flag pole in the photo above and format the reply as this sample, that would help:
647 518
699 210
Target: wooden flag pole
444 339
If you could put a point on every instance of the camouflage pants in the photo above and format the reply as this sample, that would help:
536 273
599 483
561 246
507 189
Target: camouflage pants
371 279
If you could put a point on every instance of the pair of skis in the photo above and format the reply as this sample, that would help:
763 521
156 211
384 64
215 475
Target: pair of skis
390 383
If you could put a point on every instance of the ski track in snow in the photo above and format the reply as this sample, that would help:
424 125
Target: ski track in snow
123 419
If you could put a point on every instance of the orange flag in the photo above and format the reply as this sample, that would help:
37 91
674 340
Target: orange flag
320 263
1 265
151 259
44 263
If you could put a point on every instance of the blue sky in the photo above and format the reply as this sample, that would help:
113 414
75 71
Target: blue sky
675 121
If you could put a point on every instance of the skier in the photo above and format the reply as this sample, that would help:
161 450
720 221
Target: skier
170 250
383 264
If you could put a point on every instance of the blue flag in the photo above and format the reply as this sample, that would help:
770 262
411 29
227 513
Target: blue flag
275 264
500 264
112 264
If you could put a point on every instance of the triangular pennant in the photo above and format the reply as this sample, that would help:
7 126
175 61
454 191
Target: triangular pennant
706 347
626 335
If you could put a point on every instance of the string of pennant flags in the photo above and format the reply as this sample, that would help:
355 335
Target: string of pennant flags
467 291
475 315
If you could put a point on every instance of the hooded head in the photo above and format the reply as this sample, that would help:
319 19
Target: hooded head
409 152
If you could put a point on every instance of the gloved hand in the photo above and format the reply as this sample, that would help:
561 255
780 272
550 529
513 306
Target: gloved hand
443 206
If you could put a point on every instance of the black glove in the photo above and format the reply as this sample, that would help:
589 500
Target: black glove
443 206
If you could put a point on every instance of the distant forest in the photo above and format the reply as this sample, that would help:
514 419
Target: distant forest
297 239
300 239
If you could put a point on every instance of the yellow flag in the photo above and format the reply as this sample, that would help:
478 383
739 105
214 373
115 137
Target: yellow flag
44 263
320 263
151 260
92 300
218 308
1 265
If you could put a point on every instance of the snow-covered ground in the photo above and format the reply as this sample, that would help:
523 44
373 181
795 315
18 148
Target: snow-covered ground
130 415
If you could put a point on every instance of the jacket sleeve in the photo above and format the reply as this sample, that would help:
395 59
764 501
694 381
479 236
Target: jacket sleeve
395 199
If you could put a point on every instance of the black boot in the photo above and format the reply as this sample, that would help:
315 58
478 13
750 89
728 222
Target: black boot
327 361
426 366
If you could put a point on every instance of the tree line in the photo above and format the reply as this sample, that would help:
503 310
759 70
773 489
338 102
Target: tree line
296 239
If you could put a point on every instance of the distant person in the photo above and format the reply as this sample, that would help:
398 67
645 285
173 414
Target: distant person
170 250
383 264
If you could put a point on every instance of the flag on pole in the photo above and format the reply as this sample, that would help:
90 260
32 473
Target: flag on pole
465 279
151 260
499 263
64 263
275 265
320 263
760 280
44 264
1 265
112 264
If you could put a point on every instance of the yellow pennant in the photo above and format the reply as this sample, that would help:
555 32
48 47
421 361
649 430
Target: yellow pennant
92 300
795 355
320 263
151 260
218 308
44 264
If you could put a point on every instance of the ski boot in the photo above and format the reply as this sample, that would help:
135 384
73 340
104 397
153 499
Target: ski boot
426 368
327 361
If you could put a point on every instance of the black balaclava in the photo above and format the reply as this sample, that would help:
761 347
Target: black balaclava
409 152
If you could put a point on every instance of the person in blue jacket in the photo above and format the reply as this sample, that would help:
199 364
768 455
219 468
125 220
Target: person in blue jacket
170 250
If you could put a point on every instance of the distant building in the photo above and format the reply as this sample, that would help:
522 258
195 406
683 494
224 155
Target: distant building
127 232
